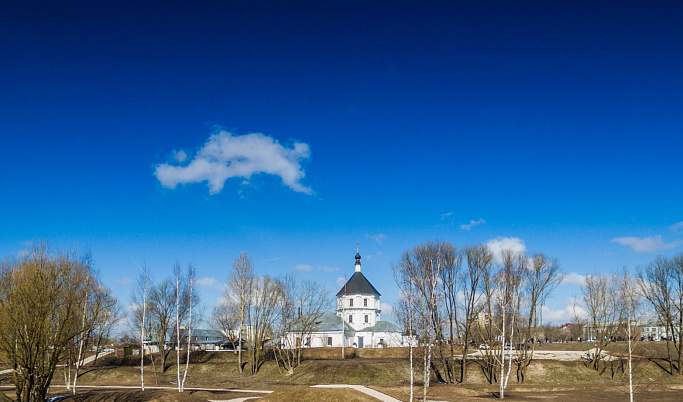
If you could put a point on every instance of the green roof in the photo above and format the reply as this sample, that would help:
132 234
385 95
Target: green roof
329 322
382 326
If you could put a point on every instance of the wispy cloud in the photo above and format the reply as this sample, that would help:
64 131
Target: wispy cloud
180 156
272 259
647 244
677 227
446 215
387 309
124 281
206 281
473 223
224 156
379 238
514 244
302 267
341 281
564 315
330 269
574 279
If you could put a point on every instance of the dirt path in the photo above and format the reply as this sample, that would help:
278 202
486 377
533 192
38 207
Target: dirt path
560 355
367 391
85 361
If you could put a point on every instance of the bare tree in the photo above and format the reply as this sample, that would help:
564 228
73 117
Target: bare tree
225 319
100 312
139 319
423 265
629 299
176 272
542 277
599 298
193 299
508 285
661 283
486 323
405 313
240 288
162 316
261 316
110 315
479 261
42 301
300 306
451 260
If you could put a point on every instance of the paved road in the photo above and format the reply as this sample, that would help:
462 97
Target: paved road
368 391
85 361
114 387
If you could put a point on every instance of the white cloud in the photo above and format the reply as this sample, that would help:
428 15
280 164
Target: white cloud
647 244
224 156
677 227
180 156
387 309
124 281
564 315
302 267
514 244
473 223
446 215
379 238
206 281
574 279
330 269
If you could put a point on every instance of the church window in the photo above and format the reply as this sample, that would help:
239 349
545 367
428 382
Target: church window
329 341
366 318
365 302
350 302
350 319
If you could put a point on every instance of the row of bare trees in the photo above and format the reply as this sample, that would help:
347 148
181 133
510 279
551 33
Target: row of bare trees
616 302
52 308
661 285
455 296
160 313
264 313
613 306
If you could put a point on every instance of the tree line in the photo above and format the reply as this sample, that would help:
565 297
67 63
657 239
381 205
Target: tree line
452 297
461 297
268 317
54 309
617 303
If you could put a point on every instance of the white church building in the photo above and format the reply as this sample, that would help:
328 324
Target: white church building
357 320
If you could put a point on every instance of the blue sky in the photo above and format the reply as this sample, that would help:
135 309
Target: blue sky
168 131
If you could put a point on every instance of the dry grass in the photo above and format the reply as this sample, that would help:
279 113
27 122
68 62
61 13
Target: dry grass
308 394
385 372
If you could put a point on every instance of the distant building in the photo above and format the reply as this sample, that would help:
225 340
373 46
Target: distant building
655 331
202 339
647 331
357 320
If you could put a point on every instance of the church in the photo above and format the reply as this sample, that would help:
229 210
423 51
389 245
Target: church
357 320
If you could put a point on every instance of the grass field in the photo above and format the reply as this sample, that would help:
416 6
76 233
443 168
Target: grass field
386 370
